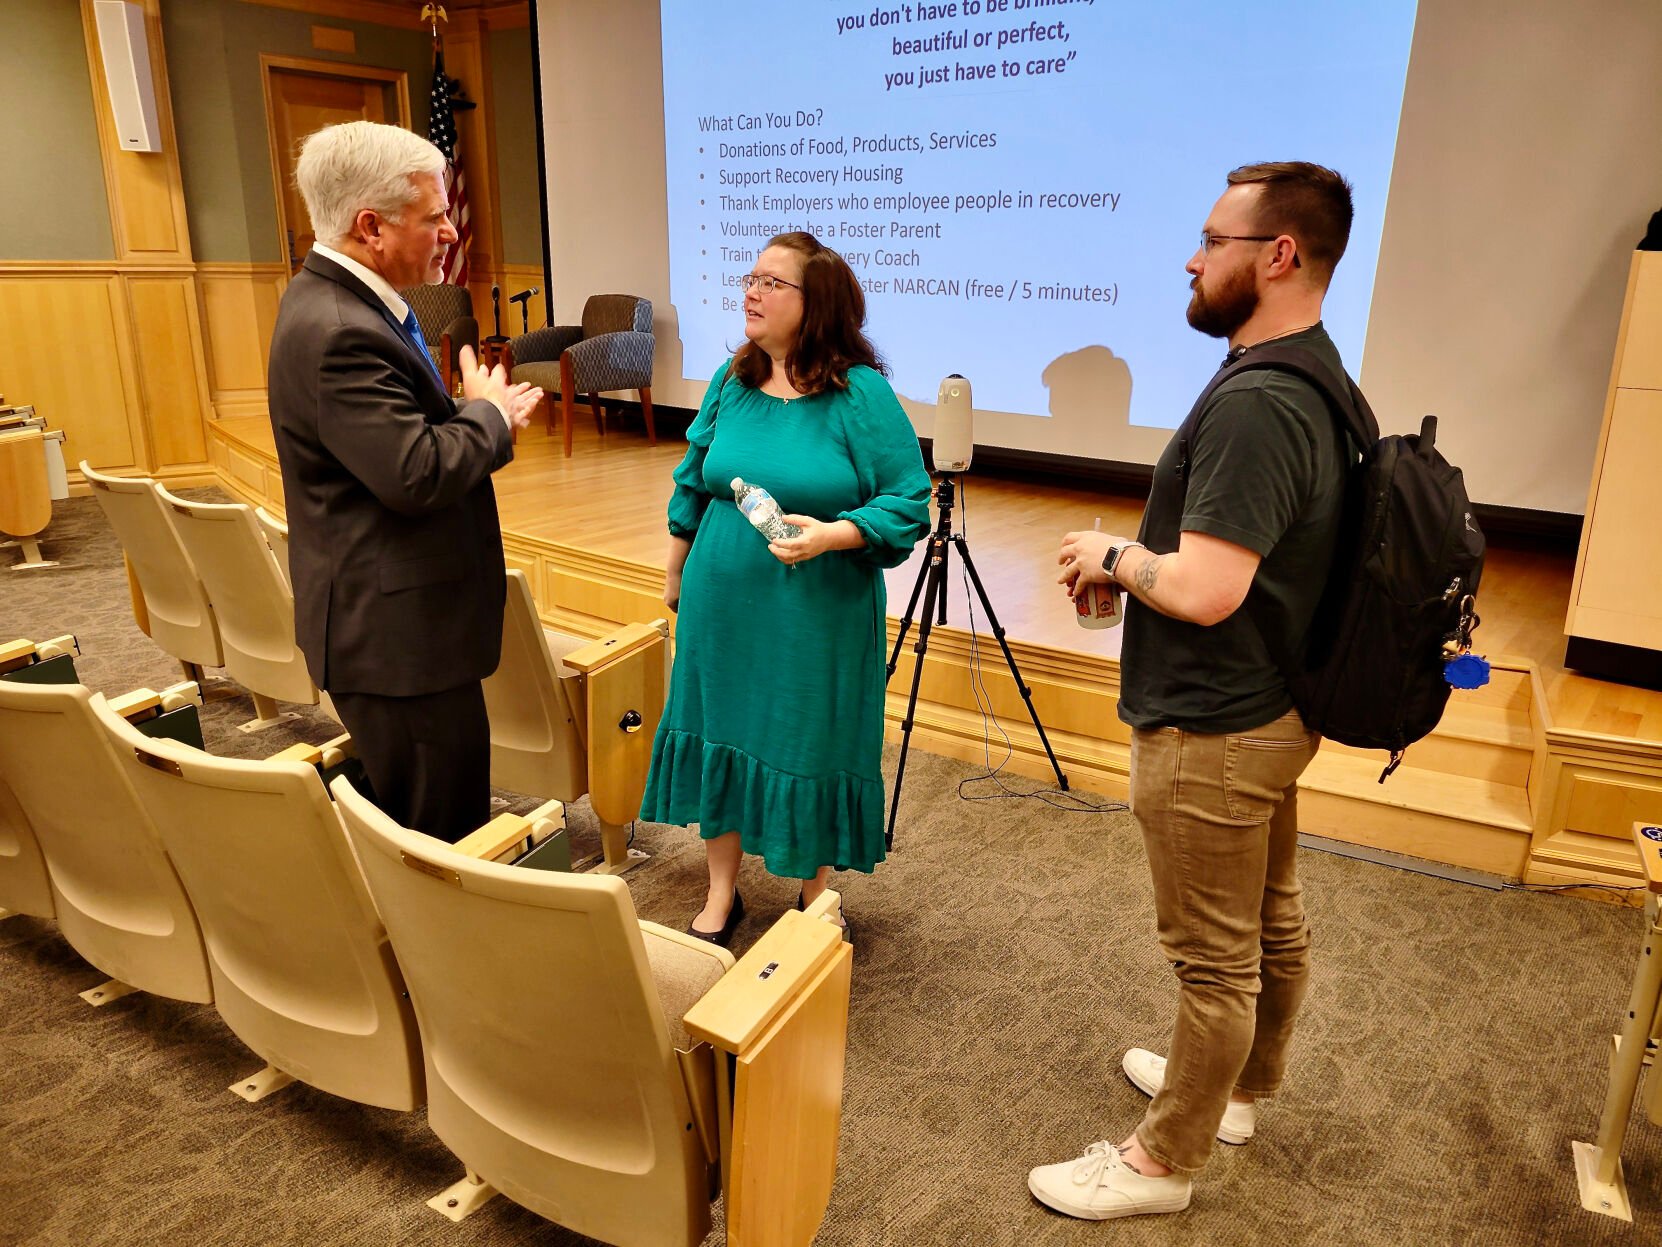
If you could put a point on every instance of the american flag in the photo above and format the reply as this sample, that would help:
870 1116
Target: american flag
441 133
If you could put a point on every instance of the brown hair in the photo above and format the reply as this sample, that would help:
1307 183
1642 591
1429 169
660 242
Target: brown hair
830 340
1309 202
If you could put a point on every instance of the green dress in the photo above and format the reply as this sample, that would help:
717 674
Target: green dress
774 724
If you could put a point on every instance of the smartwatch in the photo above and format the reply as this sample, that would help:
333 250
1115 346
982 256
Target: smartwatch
1111 560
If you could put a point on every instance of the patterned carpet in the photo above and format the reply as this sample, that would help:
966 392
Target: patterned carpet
1453 1044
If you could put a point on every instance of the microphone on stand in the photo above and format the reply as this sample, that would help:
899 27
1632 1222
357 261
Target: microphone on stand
954 443
496 308
523 298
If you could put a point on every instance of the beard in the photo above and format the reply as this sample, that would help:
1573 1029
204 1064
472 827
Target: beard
1230 306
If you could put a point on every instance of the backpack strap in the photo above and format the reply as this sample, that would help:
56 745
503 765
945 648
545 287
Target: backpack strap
1349 405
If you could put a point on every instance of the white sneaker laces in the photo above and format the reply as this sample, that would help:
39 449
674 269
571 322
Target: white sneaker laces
1093 1166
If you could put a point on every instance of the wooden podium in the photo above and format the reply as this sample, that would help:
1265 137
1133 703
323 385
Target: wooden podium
1615 618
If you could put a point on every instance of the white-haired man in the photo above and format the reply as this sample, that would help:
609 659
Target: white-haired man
395 551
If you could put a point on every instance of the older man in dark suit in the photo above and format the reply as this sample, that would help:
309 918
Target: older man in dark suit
394 546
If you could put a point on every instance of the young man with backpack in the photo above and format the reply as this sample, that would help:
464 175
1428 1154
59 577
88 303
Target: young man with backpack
1225 576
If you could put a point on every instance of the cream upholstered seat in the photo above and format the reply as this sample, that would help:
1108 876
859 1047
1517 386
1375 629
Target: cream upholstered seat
277 537
302 970
560 1067
571 717
119 902
24 885
251 600
169 600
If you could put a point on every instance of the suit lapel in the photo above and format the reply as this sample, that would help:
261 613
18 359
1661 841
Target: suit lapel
330 271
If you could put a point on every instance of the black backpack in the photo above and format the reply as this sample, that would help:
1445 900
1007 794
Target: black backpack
1399 598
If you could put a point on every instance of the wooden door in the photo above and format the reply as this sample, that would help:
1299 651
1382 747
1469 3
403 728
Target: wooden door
300 99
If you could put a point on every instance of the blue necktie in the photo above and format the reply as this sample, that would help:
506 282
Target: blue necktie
412 328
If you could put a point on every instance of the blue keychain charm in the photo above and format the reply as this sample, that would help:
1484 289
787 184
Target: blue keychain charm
1467 670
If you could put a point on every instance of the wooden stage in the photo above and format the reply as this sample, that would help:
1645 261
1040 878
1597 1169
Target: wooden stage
1538 777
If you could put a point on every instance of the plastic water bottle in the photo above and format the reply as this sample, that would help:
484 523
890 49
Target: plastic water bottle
759 507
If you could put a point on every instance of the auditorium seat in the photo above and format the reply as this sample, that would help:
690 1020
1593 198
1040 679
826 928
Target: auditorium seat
277 537
119 902
302 971
572 717
24 885
611 350
170 604
562 1067
251 600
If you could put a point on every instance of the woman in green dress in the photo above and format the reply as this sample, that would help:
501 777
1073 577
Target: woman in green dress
772 738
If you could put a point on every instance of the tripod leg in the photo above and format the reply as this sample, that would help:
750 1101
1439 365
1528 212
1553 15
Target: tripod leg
937 585
998 632
911 608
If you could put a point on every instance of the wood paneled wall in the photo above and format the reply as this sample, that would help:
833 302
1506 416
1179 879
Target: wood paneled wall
112 354
239 309
134 358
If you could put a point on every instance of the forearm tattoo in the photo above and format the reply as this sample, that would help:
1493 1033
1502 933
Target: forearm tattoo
1148 573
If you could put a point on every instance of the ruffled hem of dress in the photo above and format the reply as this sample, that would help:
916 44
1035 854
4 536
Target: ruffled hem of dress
724 789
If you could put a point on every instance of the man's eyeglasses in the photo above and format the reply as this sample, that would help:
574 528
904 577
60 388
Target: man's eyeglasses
767 281
1208 240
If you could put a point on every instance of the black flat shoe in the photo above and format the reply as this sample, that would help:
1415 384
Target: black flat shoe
735 915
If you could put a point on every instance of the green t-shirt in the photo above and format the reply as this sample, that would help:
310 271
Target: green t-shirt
1263 465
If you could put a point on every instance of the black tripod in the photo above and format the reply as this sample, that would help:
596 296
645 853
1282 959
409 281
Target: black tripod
933 572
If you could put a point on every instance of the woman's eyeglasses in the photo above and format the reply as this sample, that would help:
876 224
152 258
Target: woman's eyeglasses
767 281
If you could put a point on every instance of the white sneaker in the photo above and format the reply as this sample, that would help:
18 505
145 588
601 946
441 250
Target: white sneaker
1147 1073
1100 1185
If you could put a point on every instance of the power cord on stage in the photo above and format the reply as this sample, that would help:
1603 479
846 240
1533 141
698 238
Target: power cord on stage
1058 798
1573 887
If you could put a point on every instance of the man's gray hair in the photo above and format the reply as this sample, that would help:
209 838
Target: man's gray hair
360 164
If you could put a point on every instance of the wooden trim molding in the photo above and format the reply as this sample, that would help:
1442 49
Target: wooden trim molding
505 14
397 79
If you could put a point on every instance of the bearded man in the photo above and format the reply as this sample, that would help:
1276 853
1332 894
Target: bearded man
1224 576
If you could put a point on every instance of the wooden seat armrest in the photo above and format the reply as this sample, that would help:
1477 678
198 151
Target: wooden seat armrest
21 652
178 696
1648 838
736 1013
337 749
329 753
137 702
512 833
311 755
14 654
615 645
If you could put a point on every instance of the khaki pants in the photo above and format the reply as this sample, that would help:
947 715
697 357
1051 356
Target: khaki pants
1219 816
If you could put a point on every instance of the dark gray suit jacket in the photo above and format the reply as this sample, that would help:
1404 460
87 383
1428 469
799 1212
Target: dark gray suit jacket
395 551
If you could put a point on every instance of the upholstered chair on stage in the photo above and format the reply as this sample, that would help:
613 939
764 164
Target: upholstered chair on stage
445 314
169 602
610 350
576 1056
571 717
251 600
119 902
302 971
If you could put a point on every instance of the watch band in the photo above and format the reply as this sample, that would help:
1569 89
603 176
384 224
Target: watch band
1111 560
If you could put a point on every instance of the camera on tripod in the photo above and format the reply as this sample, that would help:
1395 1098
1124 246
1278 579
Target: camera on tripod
950 453
954 443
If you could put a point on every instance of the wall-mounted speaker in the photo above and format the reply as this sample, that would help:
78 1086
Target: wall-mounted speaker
126 51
